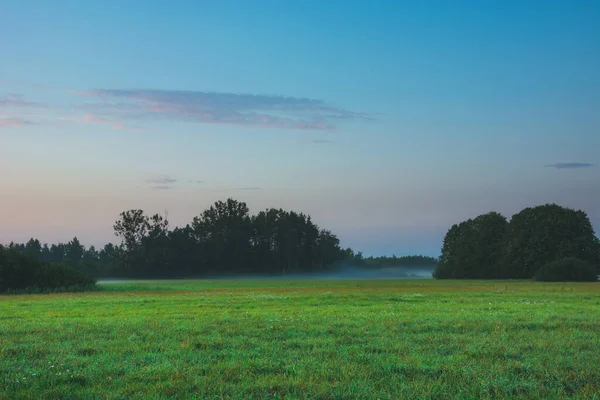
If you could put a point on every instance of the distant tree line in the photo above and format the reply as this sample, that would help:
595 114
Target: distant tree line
549 242
225 239
406 262
72 254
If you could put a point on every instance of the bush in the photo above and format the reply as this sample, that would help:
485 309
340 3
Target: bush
567 270
50 276
16 270
21 273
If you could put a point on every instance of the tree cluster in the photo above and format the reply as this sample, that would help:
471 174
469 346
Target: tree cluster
224 239
491 247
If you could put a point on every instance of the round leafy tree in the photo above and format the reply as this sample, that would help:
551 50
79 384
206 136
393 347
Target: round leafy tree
473 248
539 235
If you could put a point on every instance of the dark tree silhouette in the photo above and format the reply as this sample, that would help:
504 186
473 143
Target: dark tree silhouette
567 269
21 271
473 248
490 247
542 234
224 239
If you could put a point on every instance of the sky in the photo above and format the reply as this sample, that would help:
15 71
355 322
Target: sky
386 121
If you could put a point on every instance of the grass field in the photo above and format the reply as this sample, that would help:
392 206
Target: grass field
304 339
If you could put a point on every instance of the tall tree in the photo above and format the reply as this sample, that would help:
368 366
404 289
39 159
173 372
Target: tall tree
225 233
74 251
451 265
474 248
487 236
155 248
132 227
184 253
58 252
264 240
328 246
33 248
111 260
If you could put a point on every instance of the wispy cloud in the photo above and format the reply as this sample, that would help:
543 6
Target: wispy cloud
13 122
95 120
161 179
17 100
162 187
117 109
571 165
220 108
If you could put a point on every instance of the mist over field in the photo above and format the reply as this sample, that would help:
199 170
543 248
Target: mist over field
344 272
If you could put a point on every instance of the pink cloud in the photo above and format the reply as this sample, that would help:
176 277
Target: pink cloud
250 111
117 108
92 119
10 122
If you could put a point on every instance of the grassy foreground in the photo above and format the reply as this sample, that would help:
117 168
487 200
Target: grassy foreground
304 339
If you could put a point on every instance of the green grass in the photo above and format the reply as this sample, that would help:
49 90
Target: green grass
304 339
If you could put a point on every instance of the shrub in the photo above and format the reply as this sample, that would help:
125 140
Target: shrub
21 273
16 270
567 269
50 276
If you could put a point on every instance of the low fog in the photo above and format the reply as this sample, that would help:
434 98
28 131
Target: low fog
344 272
347 272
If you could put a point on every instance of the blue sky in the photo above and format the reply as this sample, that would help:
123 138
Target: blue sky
387 121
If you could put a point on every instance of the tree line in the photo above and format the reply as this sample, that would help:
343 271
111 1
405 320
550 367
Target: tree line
406 262
92 261
225 239
20 272
548 240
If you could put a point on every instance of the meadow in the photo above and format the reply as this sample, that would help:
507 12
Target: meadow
304 339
